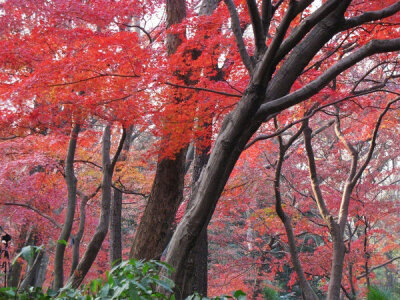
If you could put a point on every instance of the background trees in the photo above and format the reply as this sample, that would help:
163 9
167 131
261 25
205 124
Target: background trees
243 81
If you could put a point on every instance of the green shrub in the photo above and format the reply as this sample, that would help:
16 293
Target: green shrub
375 293
132 279
270 294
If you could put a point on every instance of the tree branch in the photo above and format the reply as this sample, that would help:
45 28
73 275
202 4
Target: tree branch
238 36
371 16
373 47
35 210
266 15
377 267
202 89
120 146
313 175
124 191
93 77
266 67
304 27
256 22
373 140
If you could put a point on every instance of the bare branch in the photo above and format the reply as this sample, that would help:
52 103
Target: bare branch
266 15
373 47
35 210
129 192
120 146
313 175
378 266
238 36
88 162
371 16
256 22
203 89
304 27
373 140
94 77
138 27
265 70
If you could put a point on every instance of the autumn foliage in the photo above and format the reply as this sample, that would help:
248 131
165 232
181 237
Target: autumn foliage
105 64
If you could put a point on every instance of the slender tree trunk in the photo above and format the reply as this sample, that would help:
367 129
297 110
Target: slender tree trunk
366 253
167 190
307 291
115 228
257 288
78 236
102 228
69 218
116 211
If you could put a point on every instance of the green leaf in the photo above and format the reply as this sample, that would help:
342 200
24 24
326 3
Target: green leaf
27 253
62 242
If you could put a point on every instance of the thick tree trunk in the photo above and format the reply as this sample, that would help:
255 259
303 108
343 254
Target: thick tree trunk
165 197
337 268
69 218
167 190
194 277
236 132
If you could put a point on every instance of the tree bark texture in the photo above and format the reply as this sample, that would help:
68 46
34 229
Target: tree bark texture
102 228
78 236
167 190
194 276
264 96
116 210
69 218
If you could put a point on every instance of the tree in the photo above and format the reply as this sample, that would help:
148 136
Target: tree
64 64
268 93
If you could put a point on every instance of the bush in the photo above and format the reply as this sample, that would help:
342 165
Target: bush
375 293
270 294
130 279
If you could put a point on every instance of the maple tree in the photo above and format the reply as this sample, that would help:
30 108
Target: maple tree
222 77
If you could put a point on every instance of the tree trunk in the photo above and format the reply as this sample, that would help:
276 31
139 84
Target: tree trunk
32 271
194 277
237 129
115 228
69 218
167 190
41 271
14 274
307 291
116 211
102 228
337 267
79 234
